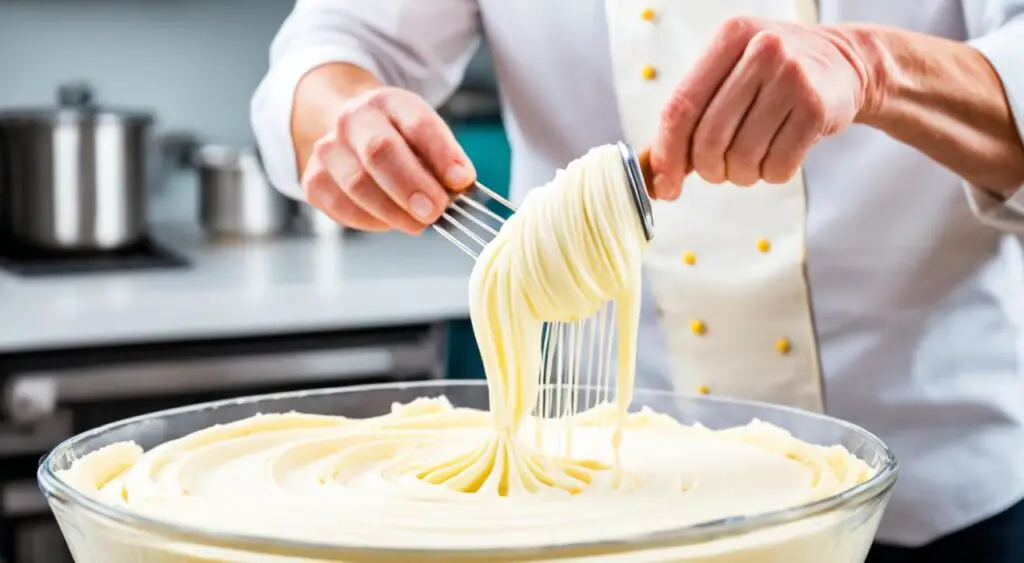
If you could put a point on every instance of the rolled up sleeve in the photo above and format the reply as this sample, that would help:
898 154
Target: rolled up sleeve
998 28
423 46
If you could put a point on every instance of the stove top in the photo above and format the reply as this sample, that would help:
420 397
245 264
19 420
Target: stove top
27 260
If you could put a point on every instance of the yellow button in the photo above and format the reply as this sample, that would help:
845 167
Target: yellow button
648 72
647 14
698 328
763 245
703 389
783 346
689 258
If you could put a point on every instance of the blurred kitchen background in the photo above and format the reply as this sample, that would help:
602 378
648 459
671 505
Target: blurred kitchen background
119 298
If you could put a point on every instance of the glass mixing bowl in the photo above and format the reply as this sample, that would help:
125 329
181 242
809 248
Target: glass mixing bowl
838 529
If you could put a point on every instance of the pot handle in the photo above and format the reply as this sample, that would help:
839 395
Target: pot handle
75 95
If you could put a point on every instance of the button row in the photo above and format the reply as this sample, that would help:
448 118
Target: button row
783 345
648 72
763 246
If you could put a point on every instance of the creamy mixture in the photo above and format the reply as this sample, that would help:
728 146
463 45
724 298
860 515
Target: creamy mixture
329 479
429 475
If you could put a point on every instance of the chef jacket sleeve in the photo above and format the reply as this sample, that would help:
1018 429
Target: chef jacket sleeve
998 31
420 45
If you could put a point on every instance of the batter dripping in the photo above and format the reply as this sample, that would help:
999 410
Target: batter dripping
575 244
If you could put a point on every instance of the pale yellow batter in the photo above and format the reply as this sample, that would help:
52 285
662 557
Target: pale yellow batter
431 476
318 478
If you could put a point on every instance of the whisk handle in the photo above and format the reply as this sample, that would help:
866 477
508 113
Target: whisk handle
644 158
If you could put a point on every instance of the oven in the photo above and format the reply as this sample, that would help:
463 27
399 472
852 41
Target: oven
48 396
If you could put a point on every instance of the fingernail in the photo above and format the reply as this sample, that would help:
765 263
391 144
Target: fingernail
662 187
421 206
458 176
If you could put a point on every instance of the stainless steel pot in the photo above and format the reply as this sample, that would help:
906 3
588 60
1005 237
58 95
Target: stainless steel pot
235 198
74 177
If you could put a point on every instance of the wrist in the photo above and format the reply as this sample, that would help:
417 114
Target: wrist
322 93
868 50
320 97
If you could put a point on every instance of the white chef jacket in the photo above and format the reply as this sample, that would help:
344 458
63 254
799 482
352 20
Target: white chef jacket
916 286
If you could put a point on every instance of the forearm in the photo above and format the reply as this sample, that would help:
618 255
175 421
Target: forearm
319 97
943 98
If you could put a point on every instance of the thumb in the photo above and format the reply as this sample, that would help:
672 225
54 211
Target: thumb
665 180
669 157
657 186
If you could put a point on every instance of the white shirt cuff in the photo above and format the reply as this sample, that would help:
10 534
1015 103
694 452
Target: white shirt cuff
271 109
1006 215
1003 50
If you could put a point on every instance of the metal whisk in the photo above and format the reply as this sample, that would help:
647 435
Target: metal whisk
470 224
577 370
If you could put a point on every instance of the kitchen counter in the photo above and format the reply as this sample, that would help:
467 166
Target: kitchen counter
300 284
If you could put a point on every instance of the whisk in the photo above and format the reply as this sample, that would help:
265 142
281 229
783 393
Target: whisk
470 223
576 356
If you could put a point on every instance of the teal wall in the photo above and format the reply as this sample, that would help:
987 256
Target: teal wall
487 147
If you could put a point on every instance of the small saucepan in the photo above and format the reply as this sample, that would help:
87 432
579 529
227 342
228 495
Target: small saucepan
235 198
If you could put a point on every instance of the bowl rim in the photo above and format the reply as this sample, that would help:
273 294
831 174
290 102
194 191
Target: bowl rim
53 486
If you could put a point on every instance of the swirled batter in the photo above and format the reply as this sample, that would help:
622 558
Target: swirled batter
336 480
429 475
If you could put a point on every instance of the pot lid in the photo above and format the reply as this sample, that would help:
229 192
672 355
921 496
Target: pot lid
76 103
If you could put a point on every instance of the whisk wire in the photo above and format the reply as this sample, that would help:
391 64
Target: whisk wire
469 224
577 373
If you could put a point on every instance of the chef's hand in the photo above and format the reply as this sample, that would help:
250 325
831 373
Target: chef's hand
386 164
754 104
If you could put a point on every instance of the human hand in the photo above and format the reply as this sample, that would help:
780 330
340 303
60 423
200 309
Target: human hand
756 102
386 164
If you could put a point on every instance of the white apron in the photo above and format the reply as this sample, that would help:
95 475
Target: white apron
725 274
